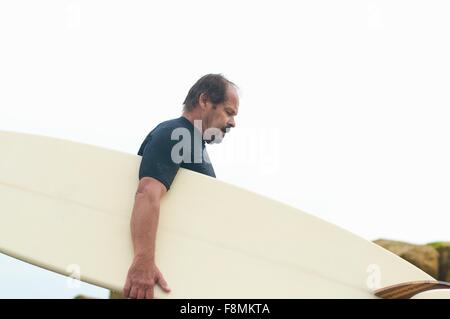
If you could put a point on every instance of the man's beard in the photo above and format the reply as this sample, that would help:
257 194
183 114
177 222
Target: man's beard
217 138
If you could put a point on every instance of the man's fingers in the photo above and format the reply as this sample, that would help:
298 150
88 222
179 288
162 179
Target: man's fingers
163 283
126 289
141 293
133 292
149 293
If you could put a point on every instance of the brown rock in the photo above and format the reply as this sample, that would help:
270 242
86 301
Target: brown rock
116 295
424 257
443 249
82 297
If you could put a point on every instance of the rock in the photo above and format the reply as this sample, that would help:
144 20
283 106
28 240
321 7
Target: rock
82 297
424 257
443 249
116 295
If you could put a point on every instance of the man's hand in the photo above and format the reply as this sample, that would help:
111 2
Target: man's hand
142 276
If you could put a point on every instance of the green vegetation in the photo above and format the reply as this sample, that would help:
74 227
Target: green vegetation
439 244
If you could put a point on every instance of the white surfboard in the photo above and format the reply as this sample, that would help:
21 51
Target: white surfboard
433 294
66 206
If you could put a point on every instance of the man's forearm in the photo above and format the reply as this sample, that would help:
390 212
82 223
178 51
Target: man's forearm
144 223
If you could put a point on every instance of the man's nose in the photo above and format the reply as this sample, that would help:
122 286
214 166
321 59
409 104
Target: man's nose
232 123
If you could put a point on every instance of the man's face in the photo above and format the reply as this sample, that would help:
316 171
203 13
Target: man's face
219 120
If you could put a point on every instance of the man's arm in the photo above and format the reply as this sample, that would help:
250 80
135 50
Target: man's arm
143 273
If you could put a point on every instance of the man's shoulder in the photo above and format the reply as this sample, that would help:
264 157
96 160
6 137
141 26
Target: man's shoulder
164 132
166 127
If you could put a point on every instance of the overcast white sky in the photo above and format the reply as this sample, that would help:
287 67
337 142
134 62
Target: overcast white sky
344 104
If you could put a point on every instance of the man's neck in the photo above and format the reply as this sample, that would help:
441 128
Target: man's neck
191 117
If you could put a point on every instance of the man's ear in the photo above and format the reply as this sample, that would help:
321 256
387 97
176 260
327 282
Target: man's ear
203 101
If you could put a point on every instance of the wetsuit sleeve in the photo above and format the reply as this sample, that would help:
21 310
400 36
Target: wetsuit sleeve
157 160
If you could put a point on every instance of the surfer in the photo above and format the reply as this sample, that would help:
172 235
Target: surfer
208 114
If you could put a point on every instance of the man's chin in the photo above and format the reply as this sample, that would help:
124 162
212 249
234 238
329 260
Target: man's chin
215 140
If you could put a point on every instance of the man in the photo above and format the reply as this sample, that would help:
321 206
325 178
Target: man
208 114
